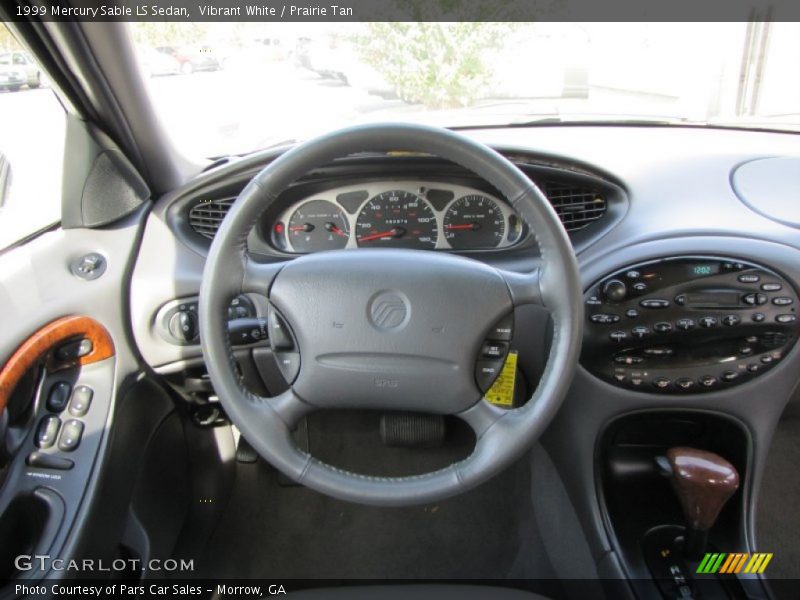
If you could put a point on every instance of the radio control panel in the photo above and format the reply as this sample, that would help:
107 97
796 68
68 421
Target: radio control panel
688 324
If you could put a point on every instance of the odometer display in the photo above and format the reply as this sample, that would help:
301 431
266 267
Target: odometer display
397 219
473 222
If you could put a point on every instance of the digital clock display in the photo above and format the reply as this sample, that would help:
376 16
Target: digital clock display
702 270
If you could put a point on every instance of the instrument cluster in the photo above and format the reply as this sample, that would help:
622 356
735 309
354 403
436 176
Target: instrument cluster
397 214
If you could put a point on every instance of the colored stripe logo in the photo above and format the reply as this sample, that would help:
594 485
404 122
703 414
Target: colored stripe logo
735 562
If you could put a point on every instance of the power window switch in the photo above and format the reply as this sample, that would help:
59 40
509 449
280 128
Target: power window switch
59 396
71 433
81 400
47 431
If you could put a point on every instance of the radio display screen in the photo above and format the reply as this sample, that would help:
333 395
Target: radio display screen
703 269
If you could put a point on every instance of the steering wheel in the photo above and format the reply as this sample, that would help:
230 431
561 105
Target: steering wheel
389 329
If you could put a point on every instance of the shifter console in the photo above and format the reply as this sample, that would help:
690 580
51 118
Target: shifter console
688 324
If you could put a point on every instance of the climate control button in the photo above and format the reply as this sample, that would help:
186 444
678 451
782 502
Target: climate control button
708 381
654 303
782 301
686 324
604 319
708 322
661 383
685 383
663 327
640 331
731 320
730 376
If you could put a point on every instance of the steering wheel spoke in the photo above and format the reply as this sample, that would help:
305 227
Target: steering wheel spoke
524 287
258 276
289 407
481 416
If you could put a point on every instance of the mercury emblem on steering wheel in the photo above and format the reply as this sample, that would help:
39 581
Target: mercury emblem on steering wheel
388 310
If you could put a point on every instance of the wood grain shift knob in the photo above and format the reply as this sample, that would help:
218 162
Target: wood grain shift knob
704 482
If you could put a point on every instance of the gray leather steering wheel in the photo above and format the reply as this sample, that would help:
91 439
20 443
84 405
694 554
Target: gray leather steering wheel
333 308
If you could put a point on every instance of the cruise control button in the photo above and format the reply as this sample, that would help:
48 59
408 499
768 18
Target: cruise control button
766 359
685 383
753 368
486 371
663 327
731 320
745 350
70 437
278 332
782 301
771 287
618 336
757 317
604 318
730 375
593 301
631 313
749 278
494 350
708 322
47 431
661 383
640 286
786 318
58 397
708 381
640 331
654 303
686 324
503 329
289 364
81 400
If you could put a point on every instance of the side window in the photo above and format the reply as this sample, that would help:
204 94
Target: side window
32 129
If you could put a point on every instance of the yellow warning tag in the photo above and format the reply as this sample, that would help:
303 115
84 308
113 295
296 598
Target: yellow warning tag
502 391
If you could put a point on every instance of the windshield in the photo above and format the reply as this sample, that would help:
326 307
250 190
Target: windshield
229 88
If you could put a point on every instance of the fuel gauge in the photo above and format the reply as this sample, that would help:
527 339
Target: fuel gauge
318 225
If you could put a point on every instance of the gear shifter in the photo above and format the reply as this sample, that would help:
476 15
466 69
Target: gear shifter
703 482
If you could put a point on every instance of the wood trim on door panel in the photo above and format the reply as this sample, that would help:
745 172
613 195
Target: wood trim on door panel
37 346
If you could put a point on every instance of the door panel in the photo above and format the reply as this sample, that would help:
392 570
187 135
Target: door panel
49 486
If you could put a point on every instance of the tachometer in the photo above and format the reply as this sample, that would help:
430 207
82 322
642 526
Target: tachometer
474 221
318 225
397 219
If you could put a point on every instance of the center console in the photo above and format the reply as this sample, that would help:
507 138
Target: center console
688 324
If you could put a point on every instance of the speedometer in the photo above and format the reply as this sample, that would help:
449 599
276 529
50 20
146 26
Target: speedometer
474 221
397 219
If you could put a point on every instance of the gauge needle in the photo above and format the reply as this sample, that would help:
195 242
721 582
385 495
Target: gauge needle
334 229
469 226
395 232
303 227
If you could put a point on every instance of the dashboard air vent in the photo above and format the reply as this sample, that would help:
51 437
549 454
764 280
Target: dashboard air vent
577 206
206 216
